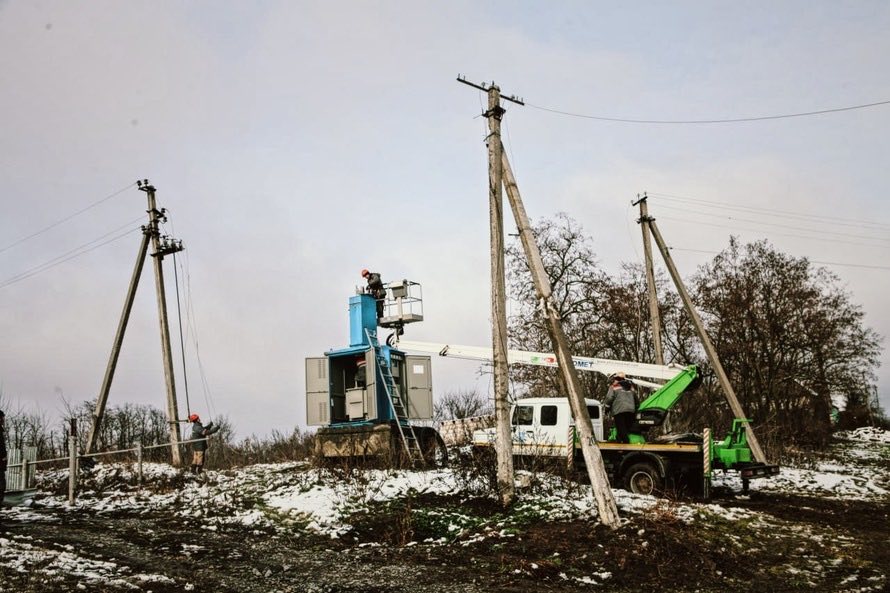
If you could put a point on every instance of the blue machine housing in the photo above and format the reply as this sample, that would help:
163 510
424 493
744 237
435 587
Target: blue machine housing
343 369
362 320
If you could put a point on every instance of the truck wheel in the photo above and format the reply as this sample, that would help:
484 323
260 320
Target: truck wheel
435 453
643 478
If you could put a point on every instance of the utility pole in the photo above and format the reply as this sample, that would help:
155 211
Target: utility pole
502 173
654 317
504 439
150 234
155 216
596 469
99 412
706 342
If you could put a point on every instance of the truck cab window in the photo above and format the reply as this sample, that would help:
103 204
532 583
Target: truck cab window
523 415
594 412
548 415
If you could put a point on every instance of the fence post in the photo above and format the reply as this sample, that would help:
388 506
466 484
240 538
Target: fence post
26 469
706 473
72 462
570 448
139 461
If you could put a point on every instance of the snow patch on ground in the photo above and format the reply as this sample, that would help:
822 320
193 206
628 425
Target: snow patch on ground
857 471
56 565
865 433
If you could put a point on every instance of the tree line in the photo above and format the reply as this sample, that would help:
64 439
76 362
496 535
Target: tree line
125 425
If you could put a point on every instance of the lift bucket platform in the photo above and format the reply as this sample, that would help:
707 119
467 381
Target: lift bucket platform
403 304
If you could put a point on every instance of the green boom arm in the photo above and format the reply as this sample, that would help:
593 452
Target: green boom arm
670 393
654 409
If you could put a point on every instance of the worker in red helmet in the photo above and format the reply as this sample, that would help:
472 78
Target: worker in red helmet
375 289
200 432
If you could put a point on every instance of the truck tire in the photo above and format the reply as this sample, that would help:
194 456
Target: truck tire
643 478
435 453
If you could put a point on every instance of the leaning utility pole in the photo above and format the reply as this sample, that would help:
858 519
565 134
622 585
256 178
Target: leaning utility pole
706 341
596 469
116 346
608 511
654 317
504 439
150 233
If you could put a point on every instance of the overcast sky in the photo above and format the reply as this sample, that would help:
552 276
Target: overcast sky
295 143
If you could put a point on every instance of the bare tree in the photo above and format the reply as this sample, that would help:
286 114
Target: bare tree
604 316
579 288
788 334
461 403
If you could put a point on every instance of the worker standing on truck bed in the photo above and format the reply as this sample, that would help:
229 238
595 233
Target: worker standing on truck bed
621 403
375 289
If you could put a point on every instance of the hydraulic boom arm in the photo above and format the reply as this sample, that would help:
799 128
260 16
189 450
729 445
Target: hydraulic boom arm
637 370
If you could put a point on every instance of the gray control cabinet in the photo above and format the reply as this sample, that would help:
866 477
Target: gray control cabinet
335 393
318 400
420 387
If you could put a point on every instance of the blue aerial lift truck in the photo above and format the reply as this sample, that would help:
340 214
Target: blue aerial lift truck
370 398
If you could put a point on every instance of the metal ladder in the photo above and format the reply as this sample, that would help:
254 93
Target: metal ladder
397 403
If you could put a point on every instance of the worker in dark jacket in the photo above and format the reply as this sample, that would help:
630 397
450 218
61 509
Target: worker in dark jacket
2 456
199 447
621 403
375 289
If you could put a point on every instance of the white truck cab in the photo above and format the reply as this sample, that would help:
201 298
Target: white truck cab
541 426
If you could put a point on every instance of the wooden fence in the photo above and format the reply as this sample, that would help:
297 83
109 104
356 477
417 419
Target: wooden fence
20 468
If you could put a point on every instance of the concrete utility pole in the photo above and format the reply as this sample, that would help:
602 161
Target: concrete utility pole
150 233
504 439
608 510
118 342
706 341
155 216
654 317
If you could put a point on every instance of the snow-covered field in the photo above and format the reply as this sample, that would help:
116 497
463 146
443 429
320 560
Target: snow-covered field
269 496
294 497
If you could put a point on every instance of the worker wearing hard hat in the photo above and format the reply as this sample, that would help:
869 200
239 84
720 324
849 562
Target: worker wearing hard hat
199 447
375 289
621 403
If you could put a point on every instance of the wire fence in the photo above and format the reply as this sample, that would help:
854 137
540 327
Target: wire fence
21 473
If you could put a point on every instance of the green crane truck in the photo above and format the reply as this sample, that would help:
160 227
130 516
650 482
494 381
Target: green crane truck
543 428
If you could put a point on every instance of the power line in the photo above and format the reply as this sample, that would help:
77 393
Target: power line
773 212
192 330
778 225
741 228
709 121
70 254
66 219
185 380
814 261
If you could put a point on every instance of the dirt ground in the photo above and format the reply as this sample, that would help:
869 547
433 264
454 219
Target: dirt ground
804 543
